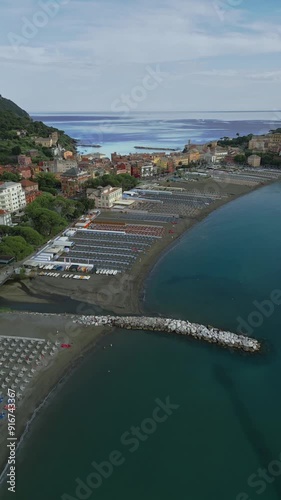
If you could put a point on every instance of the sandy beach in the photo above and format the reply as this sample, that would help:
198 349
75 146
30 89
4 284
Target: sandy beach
120 295
56 371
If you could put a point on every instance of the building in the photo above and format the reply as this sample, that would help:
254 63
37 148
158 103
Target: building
143 170
21 133
254 160
12 197
105 197
269 142
72 181
6 259
68 155
31 190
5 218
55 137
258 143
62 166
33 153
24 161
193 155
180 159
25 172
274 138
122 168
45 142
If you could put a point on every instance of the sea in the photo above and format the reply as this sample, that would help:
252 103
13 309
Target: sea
159 417
122 132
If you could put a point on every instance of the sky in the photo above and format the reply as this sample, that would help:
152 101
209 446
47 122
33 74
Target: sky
140 55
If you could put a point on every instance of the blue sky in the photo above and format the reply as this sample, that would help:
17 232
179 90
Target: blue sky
85 55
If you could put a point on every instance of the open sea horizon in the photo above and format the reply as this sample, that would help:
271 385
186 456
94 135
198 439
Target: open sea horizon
121 132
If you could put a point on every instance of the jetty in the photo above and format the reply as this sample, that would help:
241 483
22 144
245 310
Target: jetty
174 326
89 145
155 149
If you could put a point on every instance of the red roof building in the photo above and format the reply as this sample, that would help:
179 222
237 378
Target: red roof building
31 190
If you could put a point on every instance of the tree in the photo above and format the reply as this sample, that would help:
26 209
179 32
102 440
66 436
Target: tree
15 246
16 150
125 181
46 181
10 177
31 236
240 159
46 222
4 230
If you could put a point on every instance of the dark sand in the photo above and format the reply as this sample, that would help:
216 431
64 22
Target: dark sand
120 294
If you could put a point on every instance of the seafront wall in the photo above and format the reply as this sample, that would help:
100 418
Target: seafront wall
200 332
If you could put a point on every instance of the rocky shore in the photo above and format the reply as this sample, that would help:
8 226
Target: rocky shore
200 332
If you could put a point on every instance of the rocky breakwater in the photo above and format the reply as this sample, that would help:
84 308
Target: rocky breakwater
200 332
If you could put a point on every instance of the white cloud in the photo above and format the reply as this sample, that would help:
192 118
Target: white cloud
99 49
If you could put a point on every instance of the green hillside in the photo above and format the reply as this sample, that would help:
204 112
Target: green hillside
14 119
7 105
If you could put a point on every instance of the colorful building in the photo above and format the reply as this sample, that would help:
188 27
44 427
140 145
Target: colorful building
24 161
254 161
72 181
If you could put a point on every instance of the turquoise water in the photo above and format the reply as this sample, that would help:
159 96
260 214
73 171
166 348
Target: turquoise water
227 423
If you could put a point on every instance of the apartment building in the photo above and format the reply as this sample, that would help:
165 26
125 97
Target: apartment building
62 166
5 218
12 197
105 197
72 181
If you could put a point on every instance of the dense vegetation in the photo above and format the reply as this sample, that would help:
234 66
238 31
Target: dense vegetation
125 181
13 119
9 177
238 141
44 218
48 182
15 246
7 105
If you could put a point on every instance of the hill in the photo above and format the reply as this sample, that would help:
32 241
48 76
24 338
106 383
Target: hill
7 105
17 132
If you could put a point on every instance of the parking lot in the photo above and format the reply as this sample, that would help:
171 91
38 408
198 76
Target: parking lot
111 249
139 216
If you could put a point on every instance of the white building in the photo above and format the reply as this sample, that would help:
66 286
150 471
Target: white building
148 170
5 218
220 155
12 197
105 197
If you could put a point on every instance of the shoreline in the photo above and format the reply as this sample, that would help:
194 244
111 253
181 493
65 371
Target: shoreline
124 294
46 385
134 305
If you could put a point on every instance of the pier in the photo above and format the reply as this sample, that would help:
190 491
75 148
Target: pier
89 145
174 326
155 149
